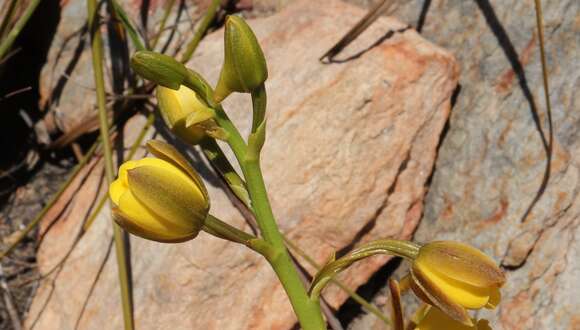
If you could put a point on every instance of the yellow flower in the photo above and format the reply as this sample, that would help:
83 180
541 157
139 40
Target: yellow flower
434 319
161 199
455 277
187 116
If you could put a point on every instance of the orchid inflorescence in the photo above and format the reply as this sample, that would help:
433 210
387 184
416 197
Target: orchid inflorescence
165 200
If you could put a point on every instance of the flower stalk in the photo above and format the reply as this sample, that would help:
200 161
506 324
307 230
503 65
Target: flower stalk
120 237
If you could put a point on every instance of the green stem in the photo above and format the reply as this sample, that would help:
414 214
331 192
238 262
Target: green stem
235 140
307 311
259 100
399 248
121 239
217 158
201 30
9 40
355 296
218 228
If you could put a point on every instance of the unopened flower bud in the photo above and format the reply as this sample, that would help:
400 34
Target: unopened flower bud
161 69
161 199
244 67
184 113
455 277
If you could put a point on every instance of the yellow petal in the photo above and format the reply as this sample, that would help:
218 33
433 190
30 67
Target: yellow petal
121 184
170 154
435 295
461 262
175 106
435 319
494 298
483 325
170 105
466 295
116 189
143 217
170 193
144 232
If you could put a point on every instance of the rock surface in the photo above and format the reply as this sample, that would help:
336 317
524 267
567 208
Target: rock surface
492 160
350 149
67 82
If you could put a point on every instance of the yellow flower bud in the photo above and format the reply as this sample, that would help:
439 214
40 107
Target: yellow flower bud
184 113
160 199
434 319
455 277
244 67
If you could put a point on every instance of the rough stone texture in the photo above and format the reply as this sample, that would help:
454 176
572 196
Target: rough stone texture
67 83
350 149
492 161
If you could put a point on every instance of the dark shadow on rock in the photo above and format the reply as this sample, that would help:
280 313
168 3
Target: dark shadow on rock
180 11
423 15
351 309
144 15
388 35
513 58
64 78
21 72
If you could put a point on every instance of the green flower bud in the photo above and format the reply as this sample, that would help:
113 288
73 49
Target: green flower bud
161 69
244 66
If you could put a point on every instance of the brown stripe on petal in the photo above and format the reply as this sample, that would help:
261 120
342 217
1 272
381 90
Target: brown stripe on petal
169 196
461 262
170 154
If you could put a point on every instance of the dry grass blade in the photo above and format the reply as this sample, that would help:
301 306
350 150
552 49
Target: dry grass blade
540 23
201 30
356 30
7 298
397 307
129 27
121 238
355 296
168 8
138 142
9 8
11 37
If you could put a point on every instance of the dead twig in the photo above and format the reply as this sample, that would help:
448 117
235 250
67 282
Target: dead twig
7 297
